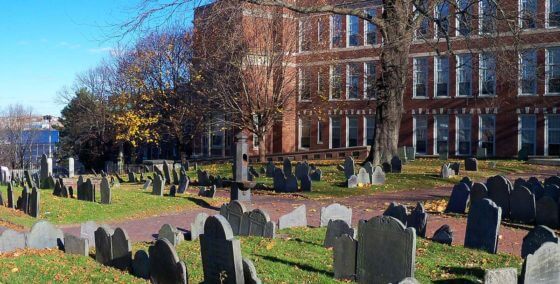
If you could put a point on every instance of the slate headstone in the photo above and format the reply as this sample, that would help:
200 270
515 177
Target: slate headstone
147 184
250 272
141 264
76 245
443 235
344 257
316 175
498 191
547 212
418 219
543 266
478 191
335 229
396 165
197 227
44 235
233 212
306 183
335 211
536 238
459 199
279 180
35 203
11 240
349 167
397 211
170 233
122 251
522 202
105 191
471 164
165 265
500 276
291 184
287 167
257 223
296 218
103 246
159 183
483 225
87 231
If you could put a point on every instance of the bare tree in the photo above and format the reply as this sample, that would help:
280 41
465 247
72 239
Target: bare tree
17 136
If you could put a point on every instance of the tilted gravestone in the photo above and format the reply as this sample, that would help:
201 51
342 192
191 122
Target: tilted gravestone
459 199
478 191
536 238
175 176
147 184
279 180
141 264
170 233
396 165
233 212
543 266
418 219
349 167
287 167
44 235
76 245
471 164
397 211
122 252
197 227
296 218
11 203
221 252
443 235
344 257
522 203
364 177
335 229
183 184
103 245
105 191
483 225
498 191
352 182
159 183
336 211
378 176
257 223
547 212
11 240
166 173
35 203
378 262
536 187
165 265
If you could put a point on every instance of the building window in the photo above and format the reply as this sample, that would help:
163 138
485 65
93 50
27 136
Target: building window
442 19
487 16
441 134
336 31
304 133
464 75
442 76
487 75
464 17
553 135
304 85
353 31
553 13
352 79
304 35
487 133
319 132
335 133
336 82
553 70
319 82
369 80
528 72
420 77
370 130
351 131
424 26
463 135
527 133
421 134
371 28
528 14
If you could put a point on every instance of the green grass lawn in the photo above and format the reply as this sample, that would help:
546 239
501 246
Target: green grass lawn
297 256
129 201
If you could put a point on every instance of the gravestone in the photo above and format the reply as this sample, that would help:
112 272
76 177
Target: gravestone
397 211
522 202
396 165
363 177
291 184
11 240
478 191
270 169
386 167
76 245
240 158
89 191
257 223
221 252
471 164
173 190
336 211
170 233
197 227
443 155
131 177
159 183
536 238
316 175
369 169
141 264
467 181
306 183
418 219
520 182
378 176
122 252
24 200
349 167
344 258
279 180
166 173
165 265
287 167
46 168
456 167
547 212
233 212
35 203
500 276
203 178
352 182
11 203
552 190
105 191
411 153
175 176
543 266
335 229
378 262
87 231
446 171
402 154
459 199
147 184
536 187
183 184
250 272
57 188
498 191
103 246
443 235
296 218
44 235
553 180
483 225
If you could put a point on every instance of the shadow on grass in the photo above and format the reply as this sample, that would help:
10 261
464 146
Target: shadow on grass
307 242
202 203
454 281
474 271
299 265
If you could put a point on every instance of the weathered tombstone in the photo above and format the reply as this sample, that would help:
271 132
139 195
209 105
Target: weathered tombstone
270 169
536 187
35 203
402 154
87 231
44 235
122 252
456 167
234 212
478 191
335 229
197 227
103 246
24 200
396 165
165 265
411 153
467 181
349 167
471 164
344 257
363 177
141 264
291 184
11 203
166 174
459 199
543 266
306 183
46 169
76 245
159 183
11 240
498 191
105 191
418 219
147 184
131 177
336 211
250 272
552 190
483 225
378 262
397 211
445 171
183 184
57 188
378 176
522 202
287 167
386 167
443 235
64 191
352 182
170 233
547 212
175 176
536 238
257 223
500 276
221 252
173 191
296 218
279 180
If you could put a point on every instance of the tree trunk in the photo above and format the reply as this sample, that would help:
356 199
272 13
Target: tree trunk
262 148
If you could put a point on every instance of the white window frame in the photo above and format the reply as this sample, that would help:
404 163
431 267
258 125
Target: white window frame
520 79
546 130
547 14
436 118
331 131
332 31
300 35
301 72
480 133
436 16
460 65
458 23
414 141
319 132
519 129
349 82
547 71
480 75
436 76
481 18
366 28
348 130
415 77
366 71
348 30
520 10
331 72
300 132
457 118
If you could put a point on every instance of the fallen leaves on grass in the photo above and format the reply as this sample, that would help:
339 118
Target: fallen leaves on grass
436 205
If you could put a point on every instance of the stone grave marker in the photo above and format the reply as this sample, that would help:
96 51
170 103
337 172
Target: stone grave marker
349 167
498 191
170 233
306 183
122 252
396 165
233 212
11 203
183 185
175 176
553 180
471 164
536 238
543 266
291 184
270 169
296 218
552 190
478 191
316 175
536 187
131 177
378 176
287 167
418 219
250 272
257 223
445 171
141 264
335 211
147 184
11 240
197 227
397 211
547 212
44 235
335 229
459 199
456 167
500 276
165 265
363 177
76 245
467 181
279 180
352 182
159 183
386 167
483 225
522 203
443 235
173 190
35 203
166 173
87 231
344 258
105 191
103 246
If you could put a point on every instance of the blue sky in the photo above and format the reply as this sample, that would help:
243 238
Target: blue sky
44 43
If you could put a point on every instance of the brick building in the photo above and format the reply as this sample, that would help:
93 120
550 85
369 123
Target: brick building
500 93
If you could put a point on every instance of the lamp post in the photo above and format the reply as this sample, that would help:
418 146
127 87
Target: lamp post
49 118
